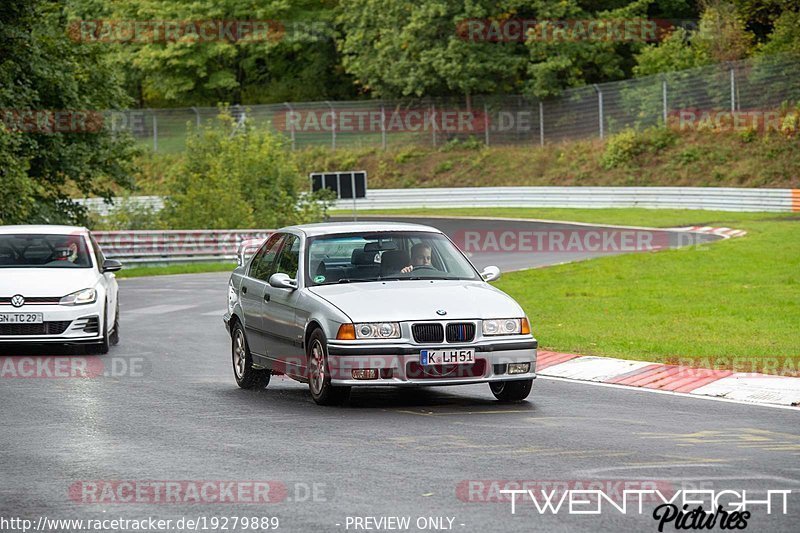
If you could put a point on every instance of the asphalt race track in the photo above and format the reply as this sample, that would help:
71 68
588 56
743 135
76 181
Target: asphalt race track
171 411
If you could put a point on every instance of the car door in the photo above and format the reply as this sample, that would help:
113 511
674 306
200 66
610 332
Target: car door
283 336
252 291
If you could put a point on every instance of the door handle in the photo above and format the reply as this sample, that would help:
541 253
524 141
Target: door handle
244 289
266 297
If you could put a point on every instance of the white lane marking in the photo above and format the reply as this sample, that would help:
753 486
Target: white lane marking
160 309
593 368
671 393
218 312
772 389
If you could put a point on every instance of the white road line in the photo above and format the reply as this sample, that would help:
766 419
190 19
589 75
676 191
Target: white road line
160 309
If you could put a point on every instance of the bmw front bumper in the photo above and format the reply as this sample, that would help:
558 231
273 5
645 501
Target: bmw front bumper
399 364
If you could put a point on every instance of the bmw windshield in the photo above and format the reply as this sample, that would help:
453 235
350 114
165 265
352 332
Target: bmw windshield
375 256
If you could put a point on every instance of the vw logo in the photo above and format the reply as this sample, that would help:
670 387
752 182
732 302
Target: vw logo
17 300
441 312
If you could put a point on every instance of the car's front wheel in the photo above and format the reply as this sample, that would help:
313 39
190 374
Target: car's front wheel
319 375
246 376
511 391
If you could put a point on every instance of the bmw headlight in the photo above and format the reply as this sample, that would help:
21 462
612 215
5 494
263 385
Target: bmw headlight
379 330
506 326
81 297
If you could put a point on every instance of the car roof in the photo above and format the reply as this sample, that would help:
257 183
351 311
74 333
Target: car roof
45 229
333 228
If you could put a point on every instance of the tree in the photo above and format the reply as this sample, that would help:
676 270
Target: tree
53 143
290 55
397 48
238 176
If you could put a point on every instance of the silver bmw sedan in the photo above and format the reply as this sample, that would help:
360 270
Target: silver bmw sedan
341 305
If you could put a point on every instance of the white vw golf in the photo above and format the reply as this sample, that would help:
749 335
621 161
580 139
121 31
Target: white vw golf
56 287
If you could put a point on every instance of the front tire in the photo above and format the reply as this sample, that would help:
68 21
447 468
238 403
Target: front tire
319 376
113 339
511 391
246 376
103 347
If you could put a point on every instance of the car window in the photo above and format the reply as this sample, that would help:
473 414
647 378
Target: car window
264 262
98 253
373 256
44 251
290 256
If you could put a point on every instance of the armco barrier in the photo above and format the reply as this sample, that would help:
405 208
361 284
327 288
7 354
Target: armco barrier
721 199
711 198
149 247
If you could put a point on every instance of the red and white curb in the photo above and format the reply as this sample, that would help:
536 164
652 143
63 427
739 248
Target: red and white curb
744 387
723 232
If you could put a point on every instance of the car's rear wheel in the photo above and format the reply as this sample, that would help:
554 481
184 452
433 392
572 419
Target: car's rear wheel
246 376
511 391
319 376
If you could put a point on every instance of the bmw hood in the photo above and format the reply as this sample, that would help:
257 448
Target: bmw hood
45 281
397 301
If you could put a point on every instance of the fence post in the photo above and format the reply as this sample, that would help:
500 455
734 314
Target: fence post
383 127
291 130
155 131
197 116
600 107
664 98
541 123
485 123
433 123
733 91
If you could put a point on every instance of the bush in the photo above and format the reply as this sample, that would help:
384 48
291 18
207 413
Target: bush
621 149
238 176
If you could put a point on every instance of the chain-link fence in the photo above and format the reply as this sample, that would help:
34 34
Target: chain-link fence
739 91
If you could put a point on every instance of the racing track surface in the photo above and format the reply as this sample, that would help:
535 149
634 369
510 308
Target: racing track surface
388 452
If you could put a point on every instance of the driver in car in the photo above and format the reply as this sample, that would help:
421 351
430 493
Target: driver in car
420 257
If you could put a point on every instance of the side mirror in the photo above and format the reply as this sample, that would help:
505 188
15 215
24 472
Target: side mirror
282 281
490 273
111 265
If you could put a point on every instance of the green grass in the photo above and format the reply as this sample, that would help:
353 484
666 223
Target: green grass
188 268
729 304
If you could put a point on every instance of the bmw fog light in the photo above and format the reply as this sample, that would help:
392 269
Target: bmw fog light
519 368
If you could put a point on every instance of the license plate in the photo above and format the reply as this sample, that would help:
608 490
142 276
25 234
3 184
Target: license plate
21 318
446 357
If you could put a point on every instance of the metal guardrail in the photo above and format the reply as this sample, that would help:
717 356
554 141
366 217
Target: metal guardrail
721 199
174 246
153 247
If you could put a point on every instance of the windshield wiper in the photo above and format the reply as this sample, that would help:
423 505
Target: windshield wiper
351 280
